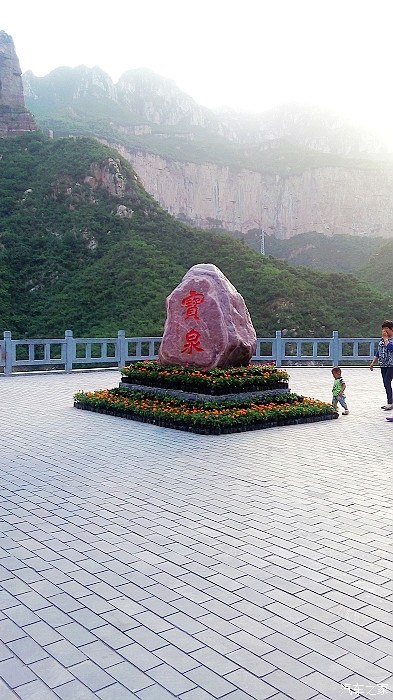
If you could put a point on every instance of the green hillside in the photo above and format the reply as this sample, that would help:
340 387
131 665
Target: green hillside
338 253
378 270
68 260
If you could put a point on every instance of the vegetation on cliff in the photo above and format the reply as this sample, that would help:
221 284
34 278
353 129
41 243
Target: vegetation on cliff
337 253
378 270
69 260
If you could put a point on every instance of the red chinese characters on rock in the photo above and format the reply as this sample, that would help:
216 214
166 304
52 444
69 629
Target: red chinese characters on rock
191 303
192 342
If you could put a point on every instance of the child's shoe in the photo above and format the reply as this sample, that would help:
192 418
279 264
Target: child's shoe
387 407
345 413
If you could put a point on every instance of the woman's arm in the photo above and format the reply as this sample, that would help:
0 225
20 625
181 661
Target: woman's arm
374 361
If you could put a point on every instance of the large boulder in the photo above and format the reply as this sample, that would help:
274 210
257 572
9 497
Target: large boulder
207 323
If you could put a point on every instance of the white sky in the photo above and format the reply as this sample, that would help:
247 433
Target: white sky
247 54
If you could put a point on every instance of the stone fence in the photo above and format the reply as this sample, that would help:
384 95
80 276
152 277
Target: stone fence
70 353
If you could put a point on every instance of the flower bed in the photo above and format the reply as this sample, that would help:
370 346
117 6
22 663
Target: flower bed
213 381
206 417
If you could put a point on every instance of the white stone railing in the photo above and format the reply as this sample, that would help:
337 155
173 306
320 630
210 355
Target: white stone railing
70 353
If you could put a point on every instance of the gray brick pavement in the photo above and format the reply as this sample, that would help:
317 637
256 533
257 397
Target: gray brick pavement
141 563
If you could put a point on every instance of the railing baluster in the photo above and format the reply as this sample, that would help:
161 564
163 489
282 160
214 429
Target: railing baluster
69 351
278 348
8 352
335 349
121 350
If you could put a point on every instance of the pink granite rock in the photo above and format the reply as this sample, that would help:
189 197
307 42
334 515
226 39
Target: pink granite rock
207 323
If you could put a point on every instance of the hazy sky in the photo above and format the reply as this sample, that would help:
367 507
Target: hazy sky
247 54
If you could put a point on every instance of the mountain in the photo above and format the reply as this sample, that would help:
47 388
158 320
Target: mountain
140 103
153 104
291 170
337 253
83 246
306 126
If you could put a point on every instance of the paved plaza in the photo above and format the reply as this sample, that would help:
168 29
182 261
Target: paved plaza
138 562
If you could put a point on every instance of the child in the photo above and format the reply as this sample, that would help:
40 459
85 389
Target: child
338 391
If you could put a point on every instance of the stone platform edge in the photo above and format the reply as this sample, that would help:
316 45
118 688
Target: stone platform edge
192 396
207 430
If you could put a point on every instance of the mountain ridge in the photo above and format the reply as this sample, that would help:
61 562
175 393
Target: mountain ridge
209 174
308 126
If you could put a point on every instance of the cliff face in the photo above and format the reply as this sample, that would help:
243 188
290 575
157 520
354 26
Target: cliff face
288 171
14 117
107 175
327 200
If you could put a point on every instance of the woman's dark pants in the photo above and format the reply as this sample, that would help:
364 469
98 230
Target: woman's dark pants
387 376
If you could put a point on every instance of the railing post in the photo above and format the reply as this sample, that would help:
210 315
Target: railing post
278 349
121 348
335 349
69 351
7 352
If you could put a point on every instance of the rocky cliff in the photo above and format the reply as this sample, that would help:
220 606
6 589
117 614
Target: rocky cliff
14 117
288 171
327 200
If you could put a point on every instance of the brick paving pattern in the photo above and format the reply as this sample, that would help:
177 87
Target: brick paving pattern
142 563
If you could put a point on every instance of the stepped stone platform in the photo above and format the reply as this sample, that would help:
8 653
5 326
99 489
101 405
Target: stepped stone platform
138 563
